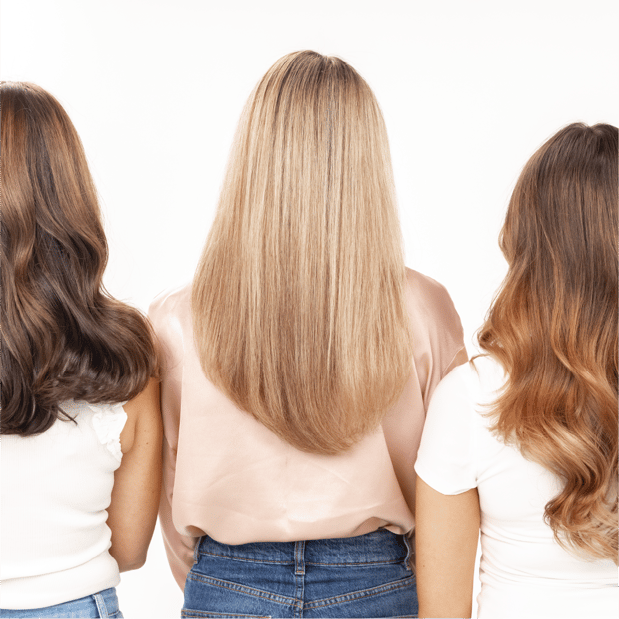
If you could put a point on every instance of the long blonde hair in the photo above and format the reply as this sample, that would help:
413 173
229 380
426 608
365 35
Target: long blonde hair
553 327
298 299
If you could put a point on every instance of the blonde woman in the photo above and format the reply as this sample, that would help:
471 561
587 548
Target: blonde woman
526 434
298 367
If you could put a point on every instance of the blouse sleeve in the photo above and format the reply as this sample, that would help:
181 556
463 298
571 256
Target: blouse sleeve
446 460
437 332
179 548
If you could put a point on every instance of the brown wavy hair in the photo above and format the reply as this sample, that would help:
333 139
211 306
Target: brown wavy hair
63 336
298 300
553 327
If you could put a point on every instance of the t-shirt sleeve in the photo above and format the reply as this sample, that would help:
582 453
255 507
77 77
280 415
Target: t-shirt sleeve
446 460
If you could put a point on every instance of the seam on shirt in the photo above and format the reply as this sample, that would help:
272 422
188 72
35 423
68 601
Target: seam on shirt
444 370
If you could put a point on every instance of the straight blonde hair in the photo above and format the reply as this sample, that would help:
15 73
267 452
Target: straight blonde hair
298 299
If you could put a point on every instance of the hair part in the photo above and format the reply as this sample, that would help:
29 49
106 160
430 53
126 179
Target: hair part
63 337
298 299
553 327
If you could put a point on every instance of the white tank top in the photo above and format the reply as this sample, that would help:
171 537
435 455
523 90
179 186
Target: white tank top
55 489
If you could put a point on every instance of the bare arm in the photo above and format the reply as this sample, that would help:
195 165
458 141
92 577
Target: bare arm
137 482
447 529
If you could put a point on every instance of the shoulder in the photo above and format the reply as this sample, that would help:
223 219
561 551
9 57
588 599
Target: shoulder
170 312
418 282
169 303
446 460
170 315
455 391
472 387
107 421
486 378
480 381
428 295
435 323
456 438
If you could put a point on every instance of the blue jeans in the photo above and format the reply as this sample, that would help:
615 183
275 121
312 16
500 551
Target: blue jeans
365 576
102 604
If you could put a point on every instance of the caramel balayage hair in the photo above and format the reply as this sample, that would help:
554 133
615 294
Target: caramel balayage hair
553 327
298 299
63 336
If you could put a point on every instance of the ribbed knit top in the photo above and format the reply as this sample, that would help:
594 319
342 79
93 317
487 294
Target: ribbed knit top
55 490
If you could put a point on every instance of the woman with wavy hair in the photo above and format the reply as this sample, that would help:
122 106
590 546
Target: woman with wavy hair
298 366
526 434
80 467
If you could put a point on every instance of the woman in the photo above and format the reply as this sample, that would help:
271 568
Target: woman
298 366
73 454
527 433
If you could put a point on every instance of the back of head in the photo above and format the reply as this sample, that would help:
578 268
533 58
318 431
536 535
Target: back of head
298 299
553 326
62 336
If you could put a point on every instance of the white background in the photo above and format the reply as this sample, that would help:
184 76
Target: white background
469 89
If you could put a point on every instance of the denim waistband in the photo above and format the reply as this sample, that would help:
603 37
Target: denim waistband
380 546
102 604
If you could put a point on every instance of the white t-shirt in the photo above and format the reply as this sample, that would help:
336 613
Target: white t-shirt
55 489
524 572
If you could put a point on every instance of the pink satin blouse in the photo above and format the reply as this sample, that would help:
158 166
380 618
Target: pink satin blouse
227 476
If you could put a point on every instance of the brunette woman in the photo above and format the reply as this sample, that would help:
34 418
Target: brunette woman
80 467
299 365
526 434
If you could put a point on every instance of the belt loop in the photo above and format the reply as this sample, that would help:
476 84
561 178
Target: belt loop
101 605
299 557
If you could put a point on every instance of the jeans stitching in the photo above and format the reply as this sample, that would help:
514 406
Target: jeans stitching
247 559
299 578
288 562
364 593
360 563
233 586
101 605
188 612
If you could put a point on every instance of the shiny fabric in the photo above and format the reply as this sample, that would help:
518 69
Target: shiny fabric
365 576
229 477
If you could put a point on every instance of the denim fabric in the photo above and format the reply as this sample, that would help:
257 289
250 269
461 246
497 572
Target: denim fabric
365 576
102 604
